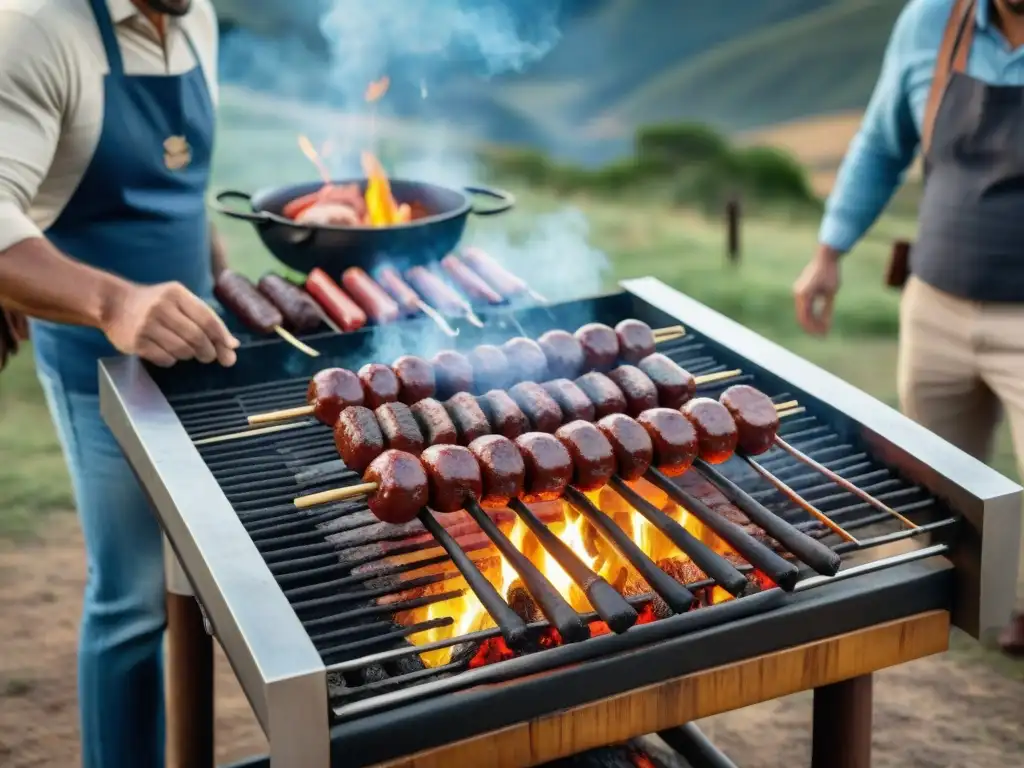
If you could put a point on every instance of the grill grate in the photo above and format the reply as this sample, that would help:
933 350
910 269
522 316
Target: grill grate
336 563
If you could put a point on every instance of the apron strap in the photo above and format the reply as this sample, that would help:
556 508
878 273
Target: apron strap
110 45
953 53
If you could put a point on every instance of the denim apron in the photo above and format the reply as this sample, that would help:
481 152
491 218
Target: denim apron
140 213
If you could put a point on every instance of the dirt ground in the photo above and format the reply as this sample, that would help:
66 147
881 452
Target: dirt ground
943 712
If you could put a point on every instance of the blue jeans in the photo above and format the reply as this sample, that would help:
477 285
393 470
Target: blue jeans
120 665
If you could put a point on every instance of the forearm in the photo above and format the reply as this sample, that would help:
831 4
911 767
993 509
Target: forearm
218 253
39 281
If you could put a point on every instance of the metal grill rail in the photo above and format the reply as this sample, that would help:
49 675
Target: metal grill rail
334 563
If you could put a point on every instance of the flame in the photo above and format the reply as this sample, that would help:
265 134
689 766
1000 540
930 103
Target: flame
580 536
316 158
382 210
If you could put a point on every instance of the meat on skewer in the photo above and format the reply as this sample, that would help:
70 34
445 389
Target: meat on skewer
453 373
416 379
358 437
571 399
636 340
453 475
335 303
502 470
468 417
402 487
564 354
399 427
434 422
717 434
600 346
637 387
673 438
371 298
380 384
505 417
755 415
469 282
539 407
603 393
632 444
300 312
674 384
331 391
239 296
548 467
593 458
499 278
526 359
407 299
490 368
438 294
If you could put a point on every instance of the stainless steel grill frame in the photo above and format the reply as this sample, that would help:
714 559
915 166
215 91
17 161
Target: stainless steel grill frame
281 671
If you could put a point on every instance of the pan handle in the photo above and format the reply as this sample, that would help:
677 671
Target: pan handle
218 204
506 200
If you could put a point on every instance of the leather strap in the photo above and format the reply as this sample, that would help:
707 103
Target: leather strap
953 53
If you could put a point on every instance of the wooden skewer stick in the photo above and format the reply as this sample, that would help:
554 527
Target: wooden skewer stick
251 433
842 482
438 318
295 342
670 333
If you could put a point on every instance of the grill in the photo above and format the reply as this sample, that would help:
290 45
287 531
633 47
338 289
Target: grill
326 615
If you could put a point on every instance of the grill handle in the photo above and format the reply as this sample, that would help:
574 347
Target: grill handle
779 570
809 550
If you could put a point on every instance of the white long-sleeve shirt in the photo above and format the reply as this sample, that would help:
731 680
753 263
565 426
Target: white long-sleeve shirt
52 66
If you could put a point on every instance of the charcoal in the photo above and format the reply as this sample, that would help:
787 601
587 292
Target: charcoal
464 652
336 685
404 665
619 756
683 571
522 602
371 674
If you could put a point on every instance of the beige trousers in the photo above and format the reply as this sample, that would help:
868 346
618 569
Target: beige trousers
961 366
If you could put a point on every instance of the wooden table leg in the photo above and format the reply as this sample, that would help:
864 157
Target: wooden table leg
842 725
189 685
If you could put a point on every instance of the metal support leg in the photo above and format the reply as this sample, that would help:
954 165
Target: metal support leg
842 725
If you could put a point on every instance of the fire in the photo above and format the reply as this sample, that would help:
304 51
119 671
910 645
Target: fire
579 534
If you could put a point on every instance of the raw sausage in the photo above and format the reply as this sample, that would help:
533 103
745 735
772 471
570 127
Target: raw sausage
501 468
499 278
674 384
380 385
600 346
239 296
757 421
470 282
563 353
593 459
415 378
453 475
716 429
435 423
399 427
331 391
373 299
407 299
358 437
636 340
633 448
452 372
402 487
300 312
548 466
437 293
334 301
636 387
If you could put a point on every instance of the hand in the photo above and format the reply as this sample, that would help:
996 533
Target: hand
815 291
166 323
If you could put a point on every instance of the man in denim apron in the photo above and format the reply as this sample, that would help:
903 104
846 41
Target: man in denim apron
106 132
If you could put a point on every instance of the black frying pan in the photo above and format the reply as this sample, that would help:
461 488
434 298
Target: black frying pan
423 241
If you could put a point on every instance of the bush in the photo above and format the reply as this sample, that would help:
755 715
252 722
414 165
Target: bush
771 174
680 144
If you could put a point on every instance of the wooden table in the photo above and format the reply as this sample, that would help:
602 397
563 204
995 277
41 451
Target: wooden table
837 669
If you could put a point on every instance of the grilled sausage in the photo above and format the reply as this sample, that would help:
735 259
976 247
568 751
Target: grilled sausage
603 393
505 417
502 469
380 385
490 368
757 420
407 299
335 303
674 384
636 387
633 448
373 299
571 399
716 430
402 487
593 459
331 391
399 427
563 353
240 297
300 312
415 378
468 417
452 372
542 411
469 282
499 278
436 292
600 346
358 437
526 359
673 437
636 340
435 423
453 475
548 466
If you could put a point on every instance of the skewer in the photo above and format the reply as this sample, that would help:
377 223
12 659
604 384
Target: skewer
438 318
842 482
252 432
305 348
670 333
307 410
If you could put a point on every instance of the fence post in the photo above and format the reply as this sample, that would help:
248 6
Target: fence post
732 230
